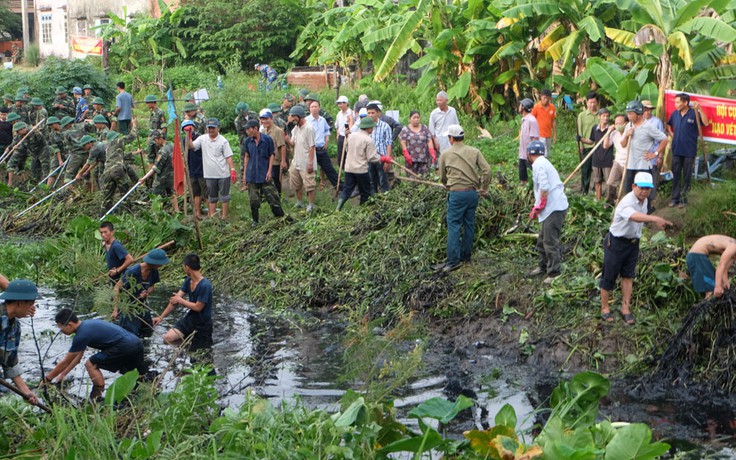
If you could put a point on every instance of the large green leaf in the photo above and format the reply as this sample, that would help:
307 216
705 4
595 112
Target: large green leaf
506 416
441 409
593 27
121 387
711 27
692 8
402 39
413 444
622 37
633 442
679 41
354 412
571 48
654 10
628 90
607 75
508 49
649 92
532 8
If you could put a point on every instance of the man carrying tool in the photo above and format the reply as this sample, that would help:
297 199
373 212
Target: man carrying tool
638 138
706 279
63 105
55 139
156 121
621 245
19 302
587 119
163 168
33 146
550 207
465 174
119 350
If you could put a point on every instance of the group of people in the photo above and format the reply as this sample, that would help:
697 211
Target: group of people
119 346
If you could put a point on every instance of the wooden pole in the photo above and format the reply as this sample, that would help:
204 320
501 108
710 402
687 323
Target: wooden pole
702 145
12 388
419 181
188 182
590 154
342 164
140 150
6 156
408 171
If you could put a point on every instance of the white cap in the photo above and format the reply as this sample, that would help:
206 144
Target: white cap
342 99
363 112
643 180
265 113
378 103
454 131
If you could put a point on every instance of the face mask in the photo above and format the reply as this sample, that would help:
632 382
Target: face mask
620 128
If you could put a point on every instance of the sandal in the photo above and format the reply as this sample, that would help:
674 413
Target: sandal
628 318
607 317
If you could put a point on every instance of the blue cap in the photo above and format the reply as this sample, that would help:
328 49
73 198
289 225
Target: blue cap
20 290
213 123
186 123
156 257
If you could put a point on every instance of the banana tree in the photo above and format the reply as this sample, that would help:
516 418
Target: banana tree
670 29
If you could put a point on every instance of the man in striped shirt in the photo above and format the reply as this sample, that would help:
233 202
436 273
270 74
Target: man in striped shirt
382 137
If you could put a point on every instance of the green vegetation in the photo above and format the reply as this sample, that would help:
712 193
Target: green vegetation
137 423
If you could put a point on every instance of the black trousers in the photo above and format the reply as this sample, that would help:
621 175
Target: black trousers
324 162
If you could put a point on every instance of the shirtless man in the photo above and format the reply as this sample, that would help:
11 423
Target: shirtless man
706 279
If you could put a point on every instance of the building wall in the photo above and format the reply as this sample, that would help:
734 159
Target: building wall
52 36
85 15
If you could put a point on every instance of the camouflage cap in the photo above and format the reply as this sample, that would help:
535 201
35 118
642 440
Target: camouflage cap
21 97
189 97
189 106
87 87
99 119
156 134
18 126
274 107
36 101
60 90
289 97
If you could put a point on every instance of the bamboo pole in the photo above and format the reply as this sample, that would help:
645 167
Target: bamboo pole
408 171
15 390
7 155
590 154
419 181
702 145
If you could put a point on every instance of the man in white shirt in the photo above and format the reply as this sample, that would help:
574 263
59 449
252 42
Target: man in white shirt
301 174
440 120
343 124
217 164
619 159
621 245
550 207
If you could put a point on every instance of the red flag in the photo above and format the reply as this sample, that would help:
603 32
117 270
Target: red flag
178 161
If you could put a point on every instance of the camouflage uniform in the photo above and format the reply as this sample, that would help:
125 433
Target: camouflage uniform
164 183
200 123
70 107
91 113
79 156
240 121
23 112
36 115
35 147
116 176
55 141
156 121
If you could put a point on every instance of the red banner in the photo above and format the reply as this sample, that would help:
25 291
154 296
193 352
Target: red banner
178 161
720 111
87 45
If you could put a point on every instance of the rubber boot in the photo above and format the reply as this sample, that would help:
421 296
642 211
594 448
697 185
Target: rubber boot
340 202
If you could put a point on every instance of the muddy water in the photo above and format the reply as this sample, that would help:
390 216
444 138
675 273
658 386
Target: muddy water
281 362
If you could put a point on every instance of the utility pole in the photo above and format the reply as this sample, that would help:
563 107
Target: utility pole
24 19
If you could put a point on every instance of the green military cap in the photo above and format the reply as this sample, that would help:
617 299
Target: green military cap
21 97
8 97
155 134
298 111
99 119
274 107
304 92
189 97
53 120
366 122
150 98
112 135
66 120
18 126
311 97
60 90
23 90
20 290
98 100
189 106
87 87
241 107
86 139
289 97
36 101
13 116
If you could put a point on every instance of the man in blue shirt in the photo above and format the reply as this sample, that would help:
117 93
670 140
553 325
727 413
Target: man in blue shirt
259 151
268 73
683 127
123 108
321 141
196 324
120 351
117 257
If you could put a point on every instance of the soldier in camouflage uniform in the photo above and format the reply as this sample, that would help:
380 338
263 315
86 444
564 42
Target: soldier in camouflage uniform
163 185
244 114
63 105
35 147
55 141
276 111
192 113
38 112
73 134
115 176
8 100
190 99
156 121
22 109
98 129
98 108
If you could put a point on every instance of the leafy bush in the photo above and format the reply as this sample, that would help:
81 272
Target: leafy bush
32 56
55 72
